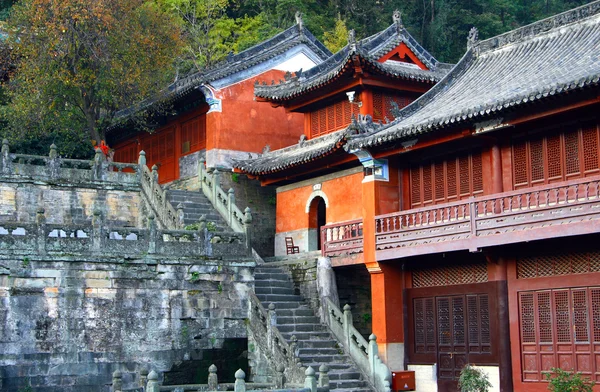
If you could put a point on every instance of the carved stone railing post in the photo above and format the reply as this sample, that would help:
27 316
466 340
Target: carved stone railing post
117 381
97 231
272 314
230 205
152 234
240 383
180 216
154 175
152 385
294 344
271 322
280 376
348 322
310 381
248 228
98 168
324 376
40 220
216 184
201 172
213 381
143 377
6 161
53 164
141 165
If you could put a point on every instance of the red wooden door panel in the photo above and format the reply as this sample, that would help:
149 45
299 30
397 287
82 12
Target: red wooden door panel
560 328
160 151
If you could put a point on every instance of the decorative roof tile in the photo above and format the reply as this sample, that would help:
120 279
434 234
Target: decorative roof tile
306 150
246 59
549 57
369 50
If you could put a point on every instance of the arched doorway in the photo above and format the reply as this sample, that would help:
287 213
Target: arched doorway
317 216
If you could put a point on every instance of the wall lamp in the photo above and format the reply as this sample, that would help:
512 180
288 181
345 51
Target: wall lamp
351 95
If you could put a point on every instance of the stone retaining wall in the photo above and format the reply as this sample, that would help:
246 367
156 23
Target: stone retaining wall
68 322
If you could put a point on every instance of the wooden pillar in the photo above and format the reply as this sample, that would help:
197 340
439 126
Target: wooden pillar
366 97
496 166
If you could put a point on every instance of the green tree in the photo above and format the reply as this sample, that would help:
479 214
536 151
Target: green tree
338 38
81 61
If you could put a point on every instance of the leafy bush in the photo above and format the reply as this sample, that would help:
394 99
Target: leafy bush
473 380
564 381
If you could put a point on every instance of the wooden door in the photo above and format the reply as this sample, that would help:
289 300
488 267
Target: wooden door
160 151
452 340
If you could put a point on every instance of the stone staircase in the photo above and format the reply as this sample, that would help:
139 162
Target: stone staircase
195 204
295 318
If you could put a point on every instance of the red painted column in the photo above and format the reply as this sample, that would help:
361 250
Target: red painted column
386 285
496 163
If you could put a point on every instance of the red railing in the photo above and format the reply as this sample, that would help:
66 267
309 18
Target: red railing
555 210
516 216
342 238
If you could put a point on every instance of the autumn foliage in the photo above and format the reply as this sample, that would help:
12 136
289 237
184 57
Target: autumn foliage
82 61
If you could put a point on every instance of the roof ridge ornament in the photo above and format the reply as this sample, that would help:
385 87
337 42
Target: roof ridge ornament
397 18
299 20
473 39
352 40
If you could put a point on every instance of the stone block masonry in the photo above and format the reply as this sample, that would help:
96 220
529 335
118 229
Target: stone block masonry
68 322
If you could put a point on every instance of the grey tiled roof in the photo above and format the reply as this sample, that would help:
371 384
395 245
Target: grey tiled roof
370 50
257 54
547 58
295 155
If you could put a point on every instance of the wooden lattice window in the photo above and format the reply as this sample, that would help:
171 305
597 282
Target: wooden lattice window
446 180
450 275
425 322
331 118
383 105
193 135
557 264
557 157
560 328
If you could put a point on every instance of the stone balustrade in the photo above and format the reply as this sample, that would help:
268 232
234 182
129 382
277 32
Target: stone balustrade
149 382
54 168
224 202
262 326
365 354
96 238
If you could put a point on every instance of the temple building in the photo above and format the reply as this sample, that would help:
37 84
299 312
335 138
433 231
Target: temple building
212 114
464 199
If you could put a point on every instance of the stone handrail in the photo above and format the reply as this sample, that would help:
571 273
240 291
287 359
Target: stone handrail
342 238
150 382
364 354
53 167
262 325
224 202
97 239
156 196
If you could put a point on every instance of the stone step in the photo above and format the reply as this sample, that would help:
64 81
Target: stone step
344 375
288 328
332 366
324 335
288 305
303 352
294 312
347 384
318 344
275 276
273 290
282 320
339 358
271 283
275 298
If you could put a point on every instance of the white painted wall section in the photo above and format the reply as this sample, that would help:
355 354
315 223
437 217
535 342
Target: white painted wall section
425 377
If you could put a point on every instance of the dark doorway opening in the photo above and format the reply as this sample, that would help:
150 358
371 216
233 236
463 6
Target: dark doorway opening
317 218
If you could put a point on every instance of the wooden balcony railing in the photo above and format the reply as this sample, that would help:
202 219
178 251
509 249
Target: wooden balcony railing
342 238
548 211
555 210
